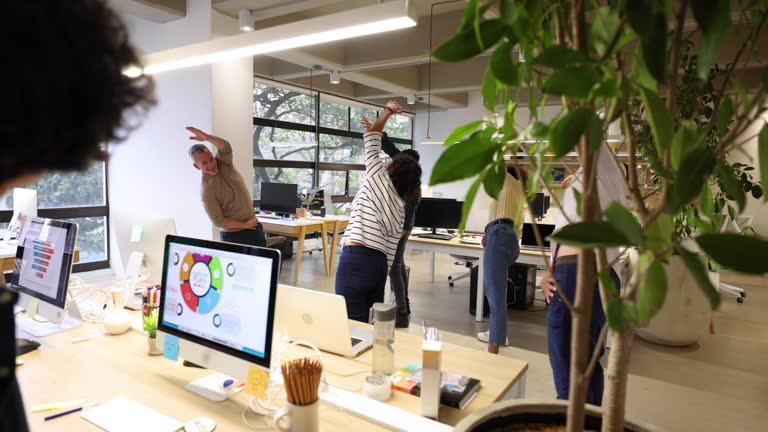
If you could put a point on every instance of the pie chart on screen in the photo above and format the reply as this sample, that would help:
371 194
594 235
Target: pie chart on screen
202 279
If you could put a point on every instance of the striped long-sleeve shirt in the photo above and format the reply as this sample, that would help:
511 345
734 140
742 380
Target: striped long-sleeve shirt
378 212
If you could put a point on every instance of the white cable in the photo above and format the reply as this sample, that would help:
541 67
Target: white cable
91 311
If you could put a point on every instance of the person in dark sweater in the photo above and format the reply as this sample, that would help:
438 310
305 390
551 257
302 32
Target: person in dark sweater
59 123
398 280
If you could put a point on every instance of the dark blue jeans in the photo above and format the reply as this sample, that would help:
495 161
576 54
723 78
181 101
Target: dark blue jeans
501 251
360 278
397 280
559 334
251 237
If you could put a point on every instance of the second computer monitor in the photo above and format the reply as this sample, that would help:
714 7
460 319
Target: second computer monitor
43 265
438 213
280 198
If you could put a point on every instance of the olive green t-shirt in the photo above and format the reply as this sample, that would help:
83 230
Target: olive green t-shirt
225 195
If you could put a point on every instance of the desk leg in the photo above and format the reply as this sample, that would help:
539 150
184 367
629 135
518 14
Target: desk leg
334 244
325 247
480 291
432 267
299 253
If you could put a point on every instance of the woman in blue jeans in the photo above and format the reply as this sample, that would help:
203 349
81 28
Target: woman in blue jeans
501 251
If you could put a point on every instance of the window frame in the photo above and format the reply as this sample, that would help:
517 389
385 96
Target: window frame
317 130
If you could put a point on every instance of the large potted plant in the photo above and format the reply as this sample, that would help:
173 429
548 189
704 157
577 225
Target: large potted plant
685 316
598 60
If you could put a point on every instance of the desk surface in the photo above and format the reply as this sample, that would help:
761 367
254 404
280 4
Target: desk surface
109 366
454 242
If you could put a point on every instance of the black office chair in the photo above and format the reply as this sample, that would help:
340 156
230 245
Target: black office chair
468 262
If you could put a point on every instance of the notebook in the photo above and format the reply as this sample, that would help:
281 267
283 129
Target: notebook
456 390
125 415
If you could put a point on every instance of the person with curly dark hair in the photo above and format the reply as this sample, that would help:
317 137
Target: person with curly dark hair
68 97
376 222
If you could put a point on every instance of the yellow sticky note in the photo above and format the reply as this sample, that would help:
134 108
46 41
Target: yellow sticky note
137 233
256 384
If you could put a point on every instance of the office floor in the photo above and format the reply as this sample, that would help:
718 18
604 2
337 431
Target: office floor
720 384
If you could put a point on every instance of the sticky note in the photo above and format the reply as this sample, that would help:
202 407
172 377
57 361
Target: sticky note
137 233
256 383
171 347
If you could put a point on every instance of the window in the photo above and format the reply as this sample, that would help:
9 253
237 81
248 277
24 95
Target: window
288 147
78 197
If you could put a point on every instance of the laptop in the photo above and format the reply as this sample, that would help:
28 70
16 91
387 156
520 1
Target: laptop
529 237
319 318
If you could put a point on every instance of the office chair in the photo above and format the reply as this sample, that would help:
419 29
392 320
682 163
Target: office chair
466 261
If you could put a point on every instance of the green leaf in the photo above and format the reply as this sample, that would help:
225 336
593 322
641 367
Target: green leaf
742 253
746 103
623 220
463 160
641 73
714 18
658 235
470 11
460 132
699 272
651 292
565 134
503 66
560 56
608 283
724 115
539 130
687 138
605 89
615 313
464 45
489 90
572 81
762 152
577 197
604 26
508 129
654 47
707 203
591 234
694 171
468 201
659 118
731 185
594 132
494 178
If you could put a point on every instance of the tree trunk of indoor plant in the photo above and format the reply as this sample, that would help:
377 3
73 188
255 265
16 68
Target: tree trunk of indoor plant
616 379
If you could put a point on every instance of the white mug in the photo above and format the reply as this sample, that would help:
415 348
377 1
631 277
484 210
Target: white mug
298 418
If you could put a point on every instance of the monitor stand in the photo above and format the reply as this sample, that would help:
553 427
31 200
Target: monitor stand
435 235
36 326
211 387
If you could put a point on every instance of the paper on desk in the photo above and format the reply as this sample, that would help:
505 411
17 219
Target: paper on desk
125 415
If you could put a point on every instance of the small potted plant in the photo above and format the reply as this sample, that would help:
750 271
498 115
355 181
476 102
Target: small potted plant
307 197
150 326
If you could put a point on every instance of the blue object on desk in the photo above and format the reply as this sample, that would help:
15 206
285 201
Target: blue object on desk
73 410
171 347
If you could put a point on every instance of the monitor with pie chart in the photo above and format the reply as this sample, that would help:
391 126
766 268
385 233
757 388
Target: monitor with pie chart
219 299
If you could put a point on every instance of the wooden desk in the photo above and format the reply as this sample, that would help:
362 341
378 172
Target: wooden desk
300 227
455 247
109 366
8 257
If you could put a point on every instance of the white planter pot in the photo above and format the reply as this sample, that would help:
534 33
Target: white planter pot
685 316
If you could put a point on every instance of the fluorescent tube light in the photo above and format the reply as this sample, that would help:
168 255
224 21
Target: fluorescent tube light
363 21
430 141
278 144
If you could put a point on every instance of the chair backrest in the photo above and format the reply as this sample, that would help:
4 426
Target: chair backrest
465 258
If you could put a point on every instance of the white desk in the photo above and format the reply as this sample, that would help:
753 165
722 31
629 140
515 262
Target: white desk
455 247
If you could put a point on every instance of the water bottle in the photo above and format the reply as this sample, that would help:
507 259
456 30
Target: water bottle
383 319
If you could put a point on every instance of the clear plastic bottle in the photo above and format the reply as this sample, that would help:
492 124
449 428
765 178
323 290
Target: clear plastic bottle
383 318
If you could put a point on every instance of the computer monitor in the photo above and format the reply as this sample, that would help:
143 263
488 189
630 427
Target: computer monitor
537 206
438 213
146 236
24 203
219 299
529 236
42 268
547 199
280 198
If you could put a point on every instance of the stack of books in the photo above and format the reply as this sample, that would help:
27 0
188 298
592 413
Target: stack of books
456 390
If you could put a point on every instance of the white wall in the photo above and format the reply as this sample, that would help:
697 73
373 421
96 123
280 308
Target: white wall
756 208
442 124
232 103
150 173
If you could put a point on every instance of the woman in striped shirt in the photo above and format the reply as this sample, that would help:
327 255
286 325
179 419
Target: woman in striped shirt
378 213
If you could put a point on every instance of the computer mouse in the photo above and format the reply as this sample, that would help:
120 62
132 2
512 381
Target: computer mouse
200 424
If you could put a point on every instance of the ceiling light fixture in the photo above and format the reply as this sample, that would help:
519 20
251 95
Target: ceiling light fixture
411 99
335 77
247 20
352 23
